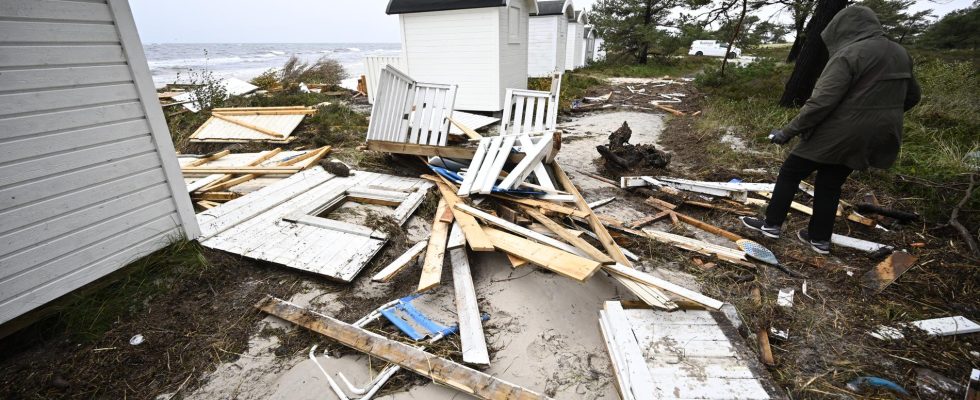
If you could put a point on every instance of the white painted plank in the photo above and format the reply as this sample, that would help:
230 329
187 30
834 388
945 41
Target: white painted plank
14 196
89 194
401 262
63 98
59 10
633 365
29 169
520 230
40 252
80 217
503 153
456 237
31 56
38 145
533 158
48 32
475 164
471 334
472 121
71 119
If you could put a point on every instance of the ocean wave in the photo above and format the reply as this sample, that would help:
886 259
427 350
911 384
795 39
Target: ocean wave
191 62
277 53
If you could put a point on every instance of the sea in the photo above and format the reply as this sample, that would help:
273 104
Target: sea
170 62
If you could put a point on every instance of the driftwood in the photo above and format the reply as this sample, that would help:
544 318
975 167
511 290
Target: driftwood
621 155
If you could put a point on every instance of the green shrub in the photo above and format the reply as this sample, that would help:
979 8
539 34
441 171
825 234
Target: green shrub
337 125
762 78
267 80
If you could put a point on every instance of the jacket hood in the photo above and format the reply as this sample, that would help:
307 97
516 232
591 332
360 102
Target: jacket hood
850 25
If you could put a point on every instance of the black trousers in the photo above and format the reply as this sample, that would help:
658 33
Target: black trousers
830 178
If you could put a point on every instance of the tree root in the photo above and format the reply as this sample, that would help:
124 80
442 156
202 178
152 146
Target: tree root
971 242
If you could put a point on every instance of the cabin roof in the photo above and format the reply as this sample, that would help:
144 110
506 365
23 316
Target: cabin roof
555 7
414 6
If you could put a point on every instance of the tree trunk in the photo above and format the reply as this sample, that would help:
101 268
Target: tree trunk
813 55
797 45
647 18
738 29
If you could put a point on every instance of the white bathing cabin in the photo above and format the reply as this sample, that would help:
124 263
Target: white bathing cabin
575 51
480 45
590 44
547 37
89 180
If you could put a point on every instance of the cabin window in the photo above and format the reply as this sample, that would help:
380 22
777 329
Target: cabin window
513 25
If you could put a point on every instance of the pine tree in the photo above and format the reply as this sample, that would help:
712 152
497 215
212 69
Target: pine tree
813 55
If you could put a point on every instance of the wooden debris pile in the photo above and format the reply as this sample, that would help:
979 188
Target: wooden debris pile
216 178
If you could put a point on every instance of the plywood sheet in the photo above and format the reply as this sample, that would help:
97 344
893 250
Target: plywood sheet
472 121
219 130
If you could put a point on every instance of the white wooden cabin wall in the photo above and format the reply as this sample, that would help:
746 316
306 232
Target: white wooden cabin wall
459 47
542 49
89 179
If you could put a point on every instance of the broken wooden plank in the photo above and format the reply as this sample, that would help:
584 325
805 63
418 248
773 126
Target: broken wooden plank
708 249
886 272
650 280
546 206
208 158
633 378
558 261
435 252
399 264
438 369
520 230
933 327
569 237
240 170
475 237
516 262
429 150
648 294
243 124
599 203
470 133
471 336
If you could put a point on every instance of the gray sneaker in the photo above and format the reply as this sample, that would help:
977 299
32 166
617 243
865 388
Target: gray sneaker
758 224
819 246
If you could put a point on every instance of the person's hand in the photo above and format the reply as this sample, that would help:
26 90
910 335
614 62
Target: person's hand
777 136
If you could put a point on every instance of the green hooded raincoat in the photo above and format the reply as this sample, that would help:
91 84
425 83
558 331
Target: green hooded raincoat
854 116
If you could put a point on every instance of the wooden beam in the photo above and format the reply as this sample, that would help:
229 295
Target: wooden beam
438 369
217 184
569 237
206 159
888 271
216 196
435 252
469 132
648 294
520 230
544 205
471 336
664 206
475 237
399 264
240 170
429 150
258 129
312 156
558 261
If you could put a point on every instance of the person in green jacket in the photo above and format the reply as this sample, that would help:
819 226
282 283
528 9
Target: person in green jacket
852 121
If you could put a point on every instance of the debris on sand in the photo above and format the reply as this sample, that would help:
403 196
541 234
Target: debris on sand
622 155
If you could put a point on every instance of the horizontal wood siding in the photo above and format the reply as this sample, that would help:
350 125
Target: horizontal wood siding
456 47
83 183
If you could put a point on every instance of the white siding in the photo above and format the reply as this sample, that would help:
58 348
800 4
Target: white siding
457 47
88 173
541 52
513 56
547 41
575 46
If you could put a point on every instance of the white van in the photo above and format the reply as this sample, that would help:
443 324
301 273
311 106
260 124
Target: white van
713 48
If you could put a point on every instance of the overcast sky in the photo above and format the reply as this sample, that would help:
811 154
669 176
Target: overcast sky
299 21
